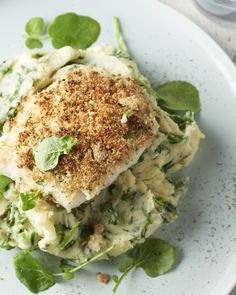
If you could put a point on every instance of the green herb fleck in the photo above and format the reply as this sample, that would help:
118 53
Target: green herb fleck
69 236
13 111
128 113
1 128
48 151
167 210
146 225
4 183
112 213
29 200
175 138
5 245
167 166
183 120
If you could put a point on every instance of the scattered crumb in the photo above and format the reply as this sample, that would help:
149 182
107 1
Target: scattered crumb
103 277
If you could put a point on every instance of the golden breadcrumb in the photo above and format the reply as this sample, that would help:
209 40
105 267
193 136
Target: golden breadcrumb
88 105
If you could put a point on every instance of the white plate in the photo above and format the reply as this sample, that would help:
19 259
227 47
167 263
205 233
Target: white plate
167 46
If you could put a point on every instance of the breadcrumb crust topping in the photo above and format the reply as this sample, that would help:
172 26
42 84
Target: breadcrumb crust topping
88 105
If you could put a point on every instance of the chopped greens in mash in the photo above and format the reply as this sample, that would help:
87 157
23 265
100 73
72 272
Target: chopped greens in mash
41 207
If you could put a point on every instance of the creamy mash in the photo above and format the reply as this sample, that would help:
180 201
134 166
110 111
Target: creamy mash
130 192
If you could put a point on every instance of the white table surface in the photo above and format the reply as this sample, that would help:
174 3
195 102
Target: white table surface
222 31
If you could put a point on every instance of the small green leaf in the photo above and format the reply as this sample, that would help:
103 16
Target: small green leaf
35 27
31 273
73 30
33 43
115 278
4 183
125 264
29 200
48 151
155 256
69 236
178 95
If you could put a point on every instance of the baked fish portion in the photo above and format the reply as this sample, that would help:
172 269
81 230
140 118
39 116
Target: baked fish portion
111 117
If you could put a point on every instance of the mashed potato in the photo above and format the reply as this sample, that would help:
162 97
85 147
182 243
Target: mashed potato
115 187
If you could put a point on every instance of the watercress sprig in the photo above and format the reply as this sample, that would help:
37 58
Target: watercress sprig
48 151
36 278
68 29
123 50
35 30
154 256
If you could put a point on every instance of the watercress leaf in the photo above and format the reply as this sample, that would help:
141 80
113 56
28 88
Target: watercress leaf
125 264
31 273
48 151
69 236
155 256
115 278
178 95
35 27
123 51
4 183
74 30
29 200
33 43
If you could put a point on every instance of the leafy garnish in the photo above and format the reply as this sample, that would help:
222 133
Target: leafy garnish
69 236
48 151
4 183
123 51
74 30
36 278
154 256
29 200
32 43
178 96
35 30
31 273
35 27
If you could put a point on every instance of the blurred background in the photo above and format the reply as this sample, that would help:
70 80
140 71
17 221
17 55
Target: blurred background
222 29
